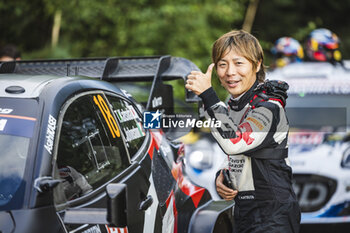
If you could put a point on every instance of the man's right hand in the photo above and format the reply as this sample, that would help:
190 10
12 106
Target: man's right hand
199 82
225 192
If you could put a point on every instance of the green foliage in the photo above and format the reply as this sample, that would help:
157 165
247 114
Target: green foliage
297 18
186 28
133 28
101 28
23 24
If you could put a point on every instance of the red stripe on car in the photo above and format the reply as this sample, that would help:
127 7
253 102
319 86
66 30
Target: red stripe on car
186 186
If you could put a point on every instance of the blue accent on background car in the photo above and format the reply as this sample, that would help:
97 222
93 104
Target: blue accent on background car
333 211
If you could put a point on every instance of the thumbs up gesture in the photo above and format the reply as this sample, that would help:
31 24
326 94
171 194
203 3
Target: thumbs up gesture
199 82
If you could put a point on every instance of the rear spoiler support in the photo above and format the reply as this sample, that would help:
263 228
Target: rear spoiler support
155 69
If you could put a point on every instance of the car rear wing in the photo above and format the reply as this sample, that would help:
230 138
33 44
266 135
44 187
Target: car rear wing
155 69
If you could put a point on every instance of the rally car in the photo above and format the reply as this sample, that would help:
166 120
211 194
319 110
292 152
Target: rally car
76 156
318 109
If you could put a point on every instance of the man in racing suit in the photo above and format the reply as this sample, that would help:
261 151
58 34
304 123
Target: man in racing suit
253 134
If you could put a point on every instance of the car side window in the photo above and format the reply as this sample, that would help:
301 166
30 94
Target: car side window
130 123
91 150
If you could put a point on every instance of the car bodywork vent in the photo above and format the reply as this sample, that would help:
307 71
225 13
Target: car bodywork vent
15 89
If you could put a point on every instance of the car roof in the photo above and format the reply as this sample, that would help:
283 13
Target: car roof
313 78
32 84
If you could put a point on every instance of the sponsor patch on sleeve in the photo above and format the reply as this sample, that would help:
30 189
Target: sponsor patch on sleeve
256 122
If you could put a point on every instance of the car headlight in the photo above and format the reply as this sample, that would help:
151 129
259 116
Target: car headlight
345 162
200 160
200 156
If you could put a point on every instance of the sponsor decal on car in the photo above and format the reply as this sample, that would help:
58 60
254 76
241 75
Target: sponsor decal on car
116 229
309 86
2 124
50 134
5 110
22 126
133 133
94 229
306 138
157 101
112 124
127 114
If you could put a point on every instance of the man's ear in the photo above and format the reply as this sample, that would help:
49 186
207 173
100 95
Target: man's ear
258 67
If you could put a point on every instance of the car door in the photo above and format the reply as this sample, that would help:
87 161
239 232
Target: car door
141 152
91 154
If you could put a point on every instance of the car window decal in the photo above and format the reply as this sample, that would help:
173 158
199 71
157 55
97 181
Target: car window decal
5 110
2 124
112 125
116 229
18 117
93 229
129 120
17 125
50 133
127 114
133 133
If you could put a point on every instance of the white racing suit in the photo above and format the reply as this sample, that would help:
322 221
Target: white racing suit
254 135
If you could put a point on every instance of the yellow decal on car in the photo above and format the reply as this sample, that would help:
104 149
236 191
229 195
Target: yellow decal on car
112 124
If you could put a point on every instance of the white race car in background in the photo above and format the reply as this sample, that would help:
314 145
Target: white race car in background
318 109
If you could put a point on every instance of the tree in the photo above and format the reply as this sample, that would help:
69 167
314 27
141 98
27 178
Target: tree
95 28
25 25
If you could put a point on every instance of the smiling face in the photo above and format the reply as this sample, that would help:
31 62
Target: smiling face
239 59
236 73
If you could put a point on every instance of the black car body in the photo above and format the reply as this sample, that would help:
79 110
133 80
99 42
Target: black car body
76 157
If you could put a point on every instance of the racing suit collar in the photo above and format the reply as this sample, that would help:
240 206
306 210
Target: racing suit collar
237 104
